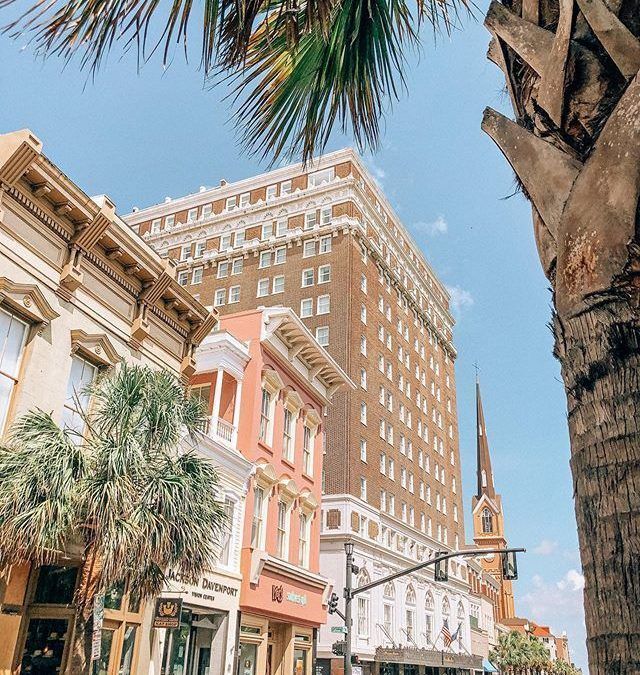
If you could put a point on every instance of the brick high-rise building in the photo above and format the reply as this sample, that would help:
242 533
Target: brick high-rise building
325 241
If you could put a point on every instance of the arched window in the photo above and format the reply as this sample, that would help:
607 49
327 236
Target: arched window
487 521
410 613
461 612
362 609
429 608
389 591
484 478
446 609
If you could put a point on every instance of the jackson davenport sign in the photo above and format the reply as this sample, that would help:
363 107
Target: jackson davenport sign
205 584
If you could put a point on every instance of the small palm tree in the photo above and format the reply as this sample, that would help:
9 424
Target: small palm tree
125 492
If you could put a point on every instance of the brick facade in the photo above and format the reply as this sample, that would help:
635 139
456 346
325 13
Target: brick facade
367 241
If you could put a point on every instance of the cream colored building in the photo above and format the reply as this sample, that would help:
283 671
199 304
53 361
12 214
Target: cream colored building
79 292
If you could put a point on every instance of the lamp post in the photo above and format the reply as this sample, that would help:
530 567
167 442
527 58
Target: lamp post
348 585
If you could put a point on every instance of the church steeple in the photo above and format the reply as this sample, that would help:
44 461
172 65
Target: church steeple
485 475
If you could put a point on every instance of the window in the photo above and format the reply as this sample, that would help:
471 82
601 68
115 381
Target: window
363 449
325 244
363 488
306 308
192 215
257 522
169 220
363 617
410 613
308 437
77 400
288 435
234 294
322 335
282 227
307 277
310 220
309 248
238 238
363 314
219 297
265 415
236 266
324 274
263 288
278 284
280 255
323 304
155 226
245 199
282 540
225 242
200 249
265 259
183 278
285 188
227 536
267 230
223 269
363 412
271 192
196 276
392 469
303 540
318 178
231 203
185 252
383 464
206 210
487 521
363 283
325 215
363 378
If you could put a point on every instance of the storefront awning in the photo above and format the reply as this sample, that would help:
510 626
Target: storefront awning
489 667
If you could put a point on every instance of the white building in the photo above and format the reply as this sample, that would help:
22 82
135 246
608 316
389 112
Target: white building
397 627
206 641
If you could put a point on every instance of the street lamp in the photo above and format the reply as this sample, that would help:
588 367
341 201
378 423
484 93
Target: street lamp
348 585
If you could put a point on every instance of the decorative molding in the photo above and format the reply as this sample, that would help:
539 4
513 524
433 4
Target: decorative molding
27 300
95 347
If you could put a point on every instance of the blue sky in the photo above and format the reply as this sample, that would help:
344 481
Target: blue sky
140 137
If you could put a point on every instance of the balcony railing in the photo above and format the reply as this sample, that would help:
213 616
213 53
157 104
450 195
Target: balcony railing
219 429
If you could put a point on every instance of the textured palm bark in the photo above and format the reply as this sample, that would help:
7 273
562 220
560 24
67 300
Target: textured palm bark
571 68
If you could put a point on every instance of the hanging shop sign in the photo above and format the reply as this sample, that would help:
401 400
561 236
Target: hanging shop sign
167 613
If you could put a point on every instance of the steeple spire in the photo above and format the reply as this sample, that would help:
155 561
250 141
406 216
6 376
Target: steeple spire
485 475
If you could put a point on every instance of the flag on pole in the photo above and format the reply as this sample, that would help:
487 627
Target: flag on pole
456 635
446 634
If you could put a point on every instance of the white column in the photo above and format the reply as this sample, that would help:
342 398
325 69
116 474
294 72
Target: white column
236 412
216 397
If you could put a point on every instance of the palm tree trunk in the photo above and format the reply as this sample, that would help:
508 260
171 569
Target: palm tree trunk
600 357
572 74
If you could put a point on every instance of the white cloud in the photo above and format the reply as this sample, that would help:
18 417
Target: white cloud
434 228
378 173
559 604
460 298
546 547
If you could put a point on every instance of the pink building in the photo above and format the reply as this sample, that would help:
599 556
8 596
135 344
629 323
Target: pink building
271 403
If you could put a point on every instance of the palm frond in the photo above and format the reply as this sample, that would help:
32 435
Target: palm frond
290 97
39 470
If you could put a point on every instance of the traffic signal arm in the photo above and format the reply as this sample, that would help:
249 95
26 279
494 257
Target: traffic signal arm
467 553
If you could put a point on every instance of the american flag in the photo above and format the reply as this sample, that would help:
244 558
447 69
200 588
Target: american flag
446 634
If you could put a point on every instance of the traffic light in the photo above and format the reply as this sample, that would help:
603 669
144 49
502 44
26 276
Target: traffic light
509 566
338 648
333 603
355 660
441 571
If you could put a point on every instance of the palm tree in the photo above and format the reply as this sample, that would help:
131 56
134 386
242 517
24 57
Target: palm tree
300 66
561 667
135 502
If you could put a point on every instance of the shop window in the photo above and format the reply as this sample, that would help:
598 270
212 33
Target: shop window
56 585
